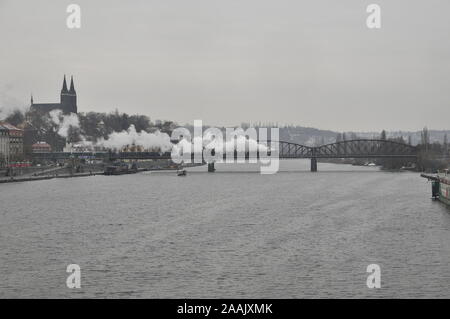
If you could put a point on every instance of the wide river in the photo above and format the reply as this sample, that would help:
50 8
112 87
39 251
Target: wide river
233 234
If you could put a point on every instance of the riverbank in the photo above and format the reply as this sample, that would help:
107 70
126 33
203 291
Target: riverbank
45 177
28 178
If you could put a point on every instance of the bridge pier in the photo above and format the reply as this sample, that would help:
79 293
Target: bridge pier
313 164
211 168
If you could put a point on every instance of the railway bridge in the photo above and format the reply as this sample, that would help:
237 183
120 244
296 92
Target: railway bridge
358 148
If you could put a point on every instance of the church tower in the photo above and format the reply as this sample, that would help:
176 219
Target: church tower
68 97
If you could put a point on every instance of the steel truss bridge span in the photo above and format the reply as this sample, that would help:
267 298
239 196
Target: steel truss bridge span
361 148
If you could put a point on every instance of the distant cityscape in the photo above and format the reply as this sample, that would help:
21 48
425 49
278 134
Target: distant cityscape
25 132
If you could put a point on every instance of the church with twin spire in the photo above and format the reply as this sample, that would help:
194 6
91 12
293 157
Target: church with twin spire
68 101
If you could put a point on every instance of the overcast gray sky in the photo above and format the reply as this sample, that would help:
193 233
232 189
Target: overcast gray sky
313 63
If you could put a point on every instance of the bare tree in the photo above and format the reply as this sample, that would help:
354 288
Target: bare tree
425 138
445 144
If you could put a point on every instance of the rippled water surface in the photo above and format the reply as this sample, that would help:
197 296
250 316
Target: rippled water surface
234 233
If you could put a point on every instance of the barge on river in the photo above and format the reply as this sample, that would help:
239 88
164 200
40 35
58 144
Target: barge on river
120 169
440 186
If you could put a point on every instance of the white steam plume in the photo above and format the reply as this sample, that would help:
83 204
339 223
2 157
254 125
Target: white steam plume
8 103
149 141
209 142
153 141
64 122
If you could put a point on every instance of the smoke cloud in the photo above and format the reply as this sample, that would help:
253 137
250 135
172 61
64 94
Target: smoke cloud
210 141
8 103
159 142
115 141
64 122
149 141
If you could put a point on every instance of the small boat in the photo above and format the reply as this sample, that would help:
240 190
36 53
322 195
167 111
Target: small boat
181 172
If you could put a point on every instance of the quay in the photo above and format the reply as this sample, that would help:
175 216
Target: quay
29 178
16 179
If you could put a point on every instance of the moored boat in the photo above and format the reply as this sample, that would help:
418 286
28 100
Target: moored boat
120 169
444 188
440 186
181 172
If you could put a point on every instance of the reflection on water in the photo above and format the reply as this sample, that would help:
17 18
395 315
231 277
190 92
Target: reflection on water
233 233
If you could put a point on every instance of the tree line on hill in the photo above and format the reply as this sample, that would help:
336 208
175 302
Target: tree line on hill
92 126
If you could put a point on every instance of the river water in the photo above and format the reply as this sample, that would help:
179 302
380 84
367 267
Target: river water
232 234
